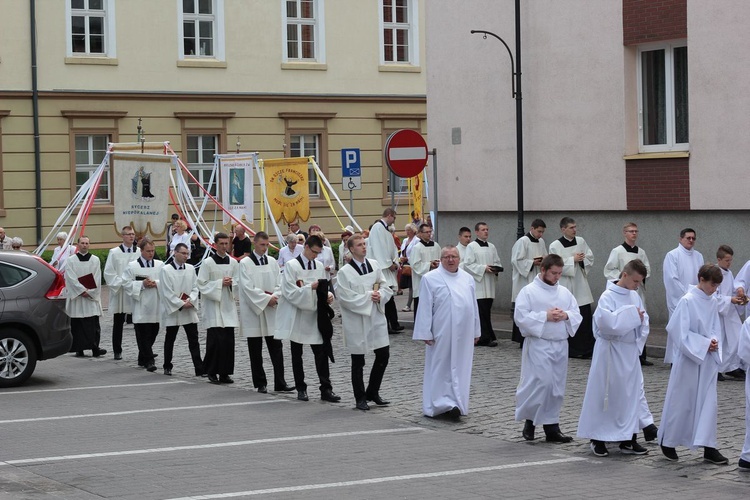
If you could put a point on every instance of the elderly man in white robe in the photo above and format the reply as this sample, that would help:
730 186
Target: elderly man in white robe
547 314
296 318
178 294
448 323
743 351
259 291
382 248
680 270
83 278
691 405
120 303
731 301
611 405
362 292
483 264
424 257
140 280
218 279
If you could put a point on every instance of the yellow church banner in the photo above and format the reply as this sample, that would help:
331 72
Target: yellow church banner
416 195
287 188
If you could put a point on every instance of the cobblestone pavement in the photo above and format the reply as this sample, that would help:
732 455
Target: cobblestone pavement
492 404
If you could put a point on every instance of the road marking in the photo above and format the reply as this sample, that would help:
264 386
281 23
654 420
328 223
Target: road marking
24 461
375 480
133 412
94 387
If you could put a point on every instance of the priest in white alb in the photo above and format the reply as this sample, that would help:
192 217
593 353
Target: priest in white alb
83 278
526 261
448 323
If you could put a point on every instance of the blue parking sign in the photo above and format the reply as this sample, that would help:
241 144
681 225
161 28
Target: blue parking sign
350 163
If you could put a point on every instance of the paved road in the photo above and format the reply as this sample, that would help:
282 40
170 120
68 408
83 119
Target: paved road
93 428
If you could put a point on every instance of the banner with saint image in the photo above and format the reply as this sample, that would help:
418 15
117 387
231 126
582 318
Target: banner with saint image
236 173
287 188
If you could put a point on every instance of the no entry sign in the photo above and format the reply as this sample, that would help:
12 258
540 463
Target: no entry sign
406 153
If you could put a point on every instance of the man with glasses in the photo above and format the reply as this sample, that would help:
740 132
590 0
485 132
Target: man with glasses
681 267
120 303
425 256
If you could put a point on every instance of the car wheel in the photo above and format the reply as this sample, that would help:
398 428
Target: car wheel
17 357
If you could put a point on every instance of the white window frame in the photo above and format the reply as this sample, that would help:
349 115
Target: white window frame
413 38
312 178
319 32
90 166
671 144
219 35
110 44
204 169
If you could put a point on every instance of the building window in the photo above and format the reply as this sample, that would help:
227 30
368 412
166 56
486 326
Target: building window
303 30
90 27
399 39
90 150
201 29
200 161
663 97
401 183
307 145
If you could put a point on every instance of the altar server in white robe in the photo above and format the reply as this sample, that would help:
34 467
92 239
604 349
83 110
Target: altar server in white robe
547 314
611 405
382 248
526 262
218 278
83 301
730 303
424 257
578 259
680 271
259 291
362 292
690 406
448 323
178 293
120 303
744 354
464 238
141 282
296 318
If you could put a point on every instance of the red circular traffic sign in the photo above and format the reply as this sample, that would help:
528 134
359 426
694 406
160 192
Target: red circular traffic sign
406 153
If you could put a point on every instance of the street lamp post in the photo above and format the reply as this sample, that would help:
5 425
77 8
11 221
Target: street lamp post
517 95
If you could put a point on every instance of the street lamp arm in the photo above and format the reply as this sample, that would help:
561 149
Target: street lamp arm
510 54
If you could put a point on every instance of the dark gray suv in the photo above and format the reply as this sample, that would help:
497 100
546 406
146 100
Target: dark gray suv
33 322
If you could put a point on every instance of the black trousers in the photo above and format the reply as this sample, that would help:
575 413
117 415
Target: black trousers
255 350
391 315
118 320
415 304
219 358
376 374
86 333
145 336
582 345
485 320
191 330
321 366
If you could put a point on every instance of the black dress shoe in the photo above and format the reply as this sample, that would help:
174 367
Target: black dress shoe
454 414
262 389
284 388
650 432
720 377
226 379
558 437
213 379
204 375
670 453
98 352
393 332
645 362
167 371
302 396
330 396
398 328
712 456
362 405
80 354
118 356
151 367
528 430
378 400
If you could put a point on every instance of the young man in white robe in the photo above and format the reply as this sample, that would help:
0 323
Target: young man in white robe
483 264
464 238
296 318
547 314
611 405
362 292
178 294
730 302
83 279
425 256
120 303
743 352
140 280
382 248
526 261
259 291
448 324
680 271
578 259
690 406
218 278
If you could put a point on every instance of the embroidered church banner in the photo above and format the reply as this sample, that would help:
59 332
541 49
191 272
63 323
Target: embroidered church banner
287 188
237 186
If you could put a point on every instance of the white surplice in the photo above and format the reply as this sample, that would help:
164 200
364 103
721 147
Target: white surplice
575 277
118 259
363 321
690 406
258 284
420 260
612 403
382 248
680 271
544 359
76 305
461 253
297 314
173 283
146 304
729 316
218 306
743 352
522 261
617 260
447 315
475 263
